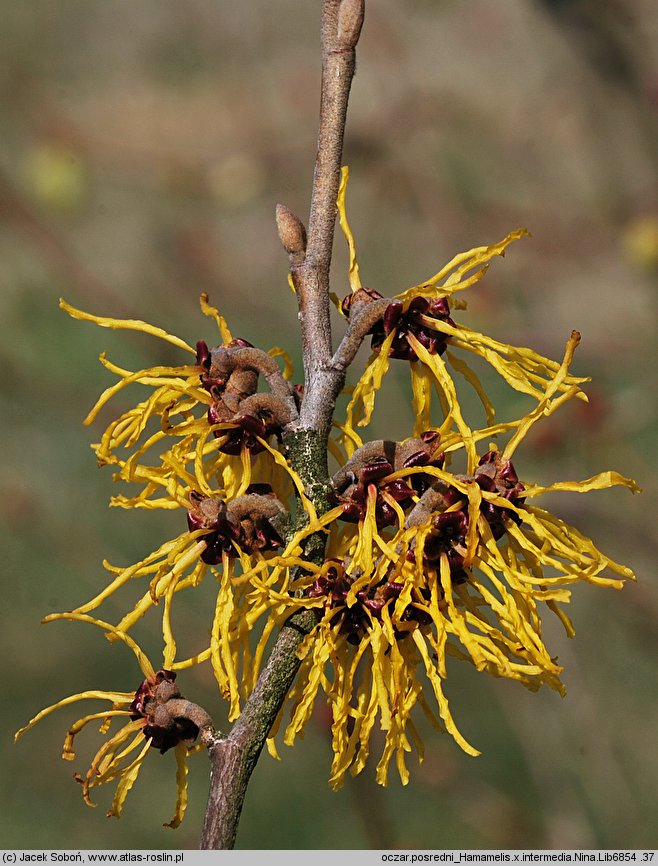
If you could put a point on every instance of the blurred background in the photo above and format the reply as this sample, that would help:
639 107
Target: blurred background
144 147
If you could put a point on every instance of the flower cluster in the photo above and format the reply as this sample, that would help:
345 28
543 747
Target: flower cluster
155 715
247 523
420 318
238 414
462 573
372 465
423 562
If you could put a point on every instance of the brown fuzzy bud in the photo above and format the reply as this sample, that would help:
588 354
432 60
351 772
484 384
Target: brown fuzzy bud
253 506
204 511
367 453
262 519
350 21
272 411
292 233
257 520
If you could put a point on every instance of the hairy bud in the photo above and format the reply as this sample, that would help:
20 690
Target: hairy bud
292 233
350 21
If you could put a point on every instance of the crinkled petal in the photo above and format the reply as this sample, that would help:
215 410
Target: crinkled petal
354 277
208 310
456 272
181 752
126 324
128 779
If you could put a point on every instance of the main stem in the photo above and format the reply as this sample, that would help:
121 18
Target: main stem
234 757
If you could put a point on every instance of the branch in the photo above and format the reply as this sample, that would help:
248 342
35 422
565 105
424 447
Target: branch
305 440
310 262
363 317
234 757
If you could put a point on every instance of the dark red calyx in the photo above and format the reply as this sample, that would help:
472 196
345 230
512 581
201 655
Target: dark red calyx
244 434
376 469
413 322
203 355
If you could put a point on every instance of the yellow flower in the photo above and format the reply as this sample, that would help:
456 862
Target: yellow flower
233 485
152 717
417 327
199 442
208 456
462 574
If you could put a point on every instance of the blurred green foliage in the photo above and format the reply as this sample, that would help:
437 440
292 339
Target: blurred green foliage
145 146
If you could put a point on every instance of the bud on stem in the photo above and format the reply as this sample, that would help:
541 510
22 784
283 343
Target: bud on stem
350 21
292 234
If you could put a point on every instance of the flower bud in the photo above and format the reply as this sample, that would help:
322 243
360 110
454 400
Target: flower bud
292 233
350 21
